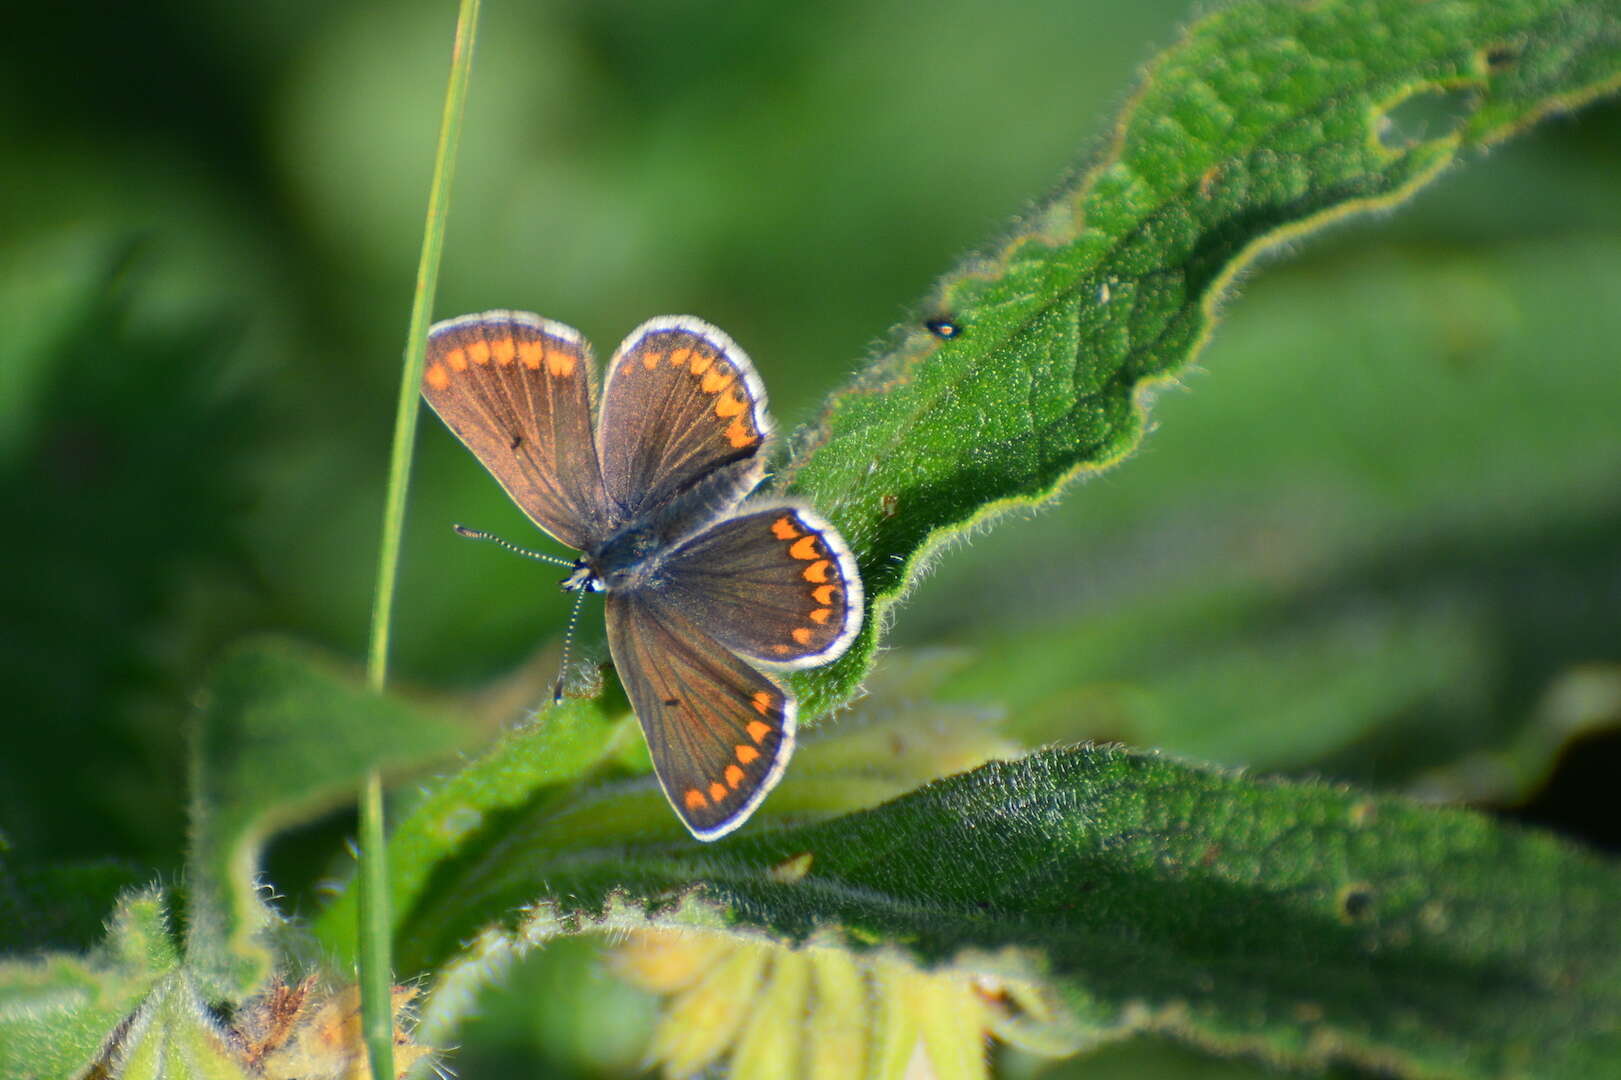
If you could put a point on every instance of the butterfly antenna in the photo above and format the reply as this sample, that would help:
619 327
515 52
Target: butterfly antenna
568 643
478 534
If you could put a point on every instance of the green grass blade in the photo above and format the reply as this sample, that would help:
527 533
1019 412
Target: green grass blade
376 968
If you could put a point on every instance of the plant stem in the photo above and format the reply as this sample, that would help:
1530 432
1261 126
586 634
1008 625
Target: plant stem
376 969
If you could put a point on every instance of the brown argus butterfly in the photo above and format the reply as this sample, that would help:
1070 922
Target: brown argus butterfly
701 586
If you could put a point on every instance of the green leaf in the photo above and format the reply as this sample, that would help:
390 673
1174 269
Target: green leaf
1391 590
58 1010
1265 121
173 1034
282 735
478 847
1581 703
473 821
1301 922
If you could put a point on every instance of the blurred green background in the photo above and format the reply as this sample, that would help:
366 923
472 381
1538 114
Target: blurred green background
1375 535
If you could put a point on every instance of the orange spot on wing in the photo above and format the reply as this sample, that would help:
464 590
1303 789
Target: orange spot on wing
505 350
801 634
804 548
758 730
823 594
820 615
437 377
734 776
781 650
695 799
650 359
718 380
679 357
560 363
738 435
727 405
817 571
701 362
783 528
717 792
531 352
479 352
762 703
746 753
456 359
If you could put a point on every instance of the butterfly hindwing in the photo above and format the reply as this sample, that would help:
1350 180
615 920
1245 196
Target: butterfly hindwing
720 732
681 404
516 389
775 582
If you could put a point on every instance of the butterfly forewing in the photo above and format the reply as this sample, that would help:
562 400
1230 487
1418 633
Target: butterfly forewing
682 404
516 389
720 732
776 583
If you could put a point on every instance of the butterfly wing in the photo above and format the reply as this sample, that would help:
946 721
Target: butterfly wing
516 389
719 731
682 404
775 582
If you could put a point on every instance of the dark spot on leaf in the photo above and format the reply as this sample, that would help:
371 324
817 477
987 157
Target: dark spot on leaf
942 327
1355 902
1499 57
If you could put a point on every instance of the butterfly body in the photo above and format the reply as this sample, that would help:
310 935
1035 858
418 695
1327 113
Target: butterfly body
702 584
632 556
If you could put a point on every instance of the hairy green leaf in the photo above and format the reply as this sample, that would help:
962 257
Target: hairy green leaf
1302 922
1374 578
173 1034
444 853
57 1010
478 847
281 736
1029 364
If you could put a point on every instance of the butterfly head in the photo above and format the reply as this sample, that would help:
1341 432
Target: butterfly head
582 578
